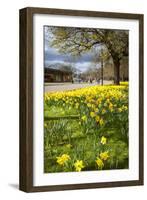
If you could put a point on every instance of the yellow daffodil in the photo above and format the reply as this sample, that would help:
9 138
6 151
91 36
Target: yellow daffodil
99 163
111 107
124 107
68 146
97 118
96 110
120 109
84 118
92 114
103 140
103 111
89 94
79 165
89 105
104 155
61 160
108 100
101 121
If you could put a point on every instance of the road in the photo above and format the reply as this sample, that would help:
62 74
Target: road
54 87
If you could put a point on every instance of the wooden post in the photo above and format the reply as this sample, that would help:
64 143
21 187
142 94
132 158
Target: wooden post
102 71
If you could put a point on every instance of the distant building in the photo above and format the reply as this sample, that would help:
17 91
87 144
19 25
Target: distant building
56 75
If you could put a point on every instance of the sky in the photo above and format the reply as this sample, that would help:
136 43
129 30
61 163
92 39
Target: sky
52 56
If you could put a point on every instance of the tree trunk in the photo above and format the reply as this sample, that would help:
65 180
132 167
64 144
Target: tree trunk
116 72
102 76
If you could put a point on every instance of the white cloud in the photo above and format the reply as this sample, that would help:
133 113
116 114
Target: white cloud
52 62
82 66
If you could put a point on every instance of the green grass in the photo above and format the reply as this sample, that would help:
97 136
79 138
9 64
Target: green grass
60 133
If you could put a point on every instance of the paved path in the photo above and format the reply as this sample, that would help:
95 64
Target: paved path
65 87
54 87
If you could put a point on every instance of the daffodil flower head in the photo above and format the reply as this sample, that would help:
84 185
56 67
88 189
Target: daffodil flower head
103 140
84 118
97 118
79 165
68 146
89 105
96 110
103 111
120 109
101 121
104 155
61 160
92 114
99 163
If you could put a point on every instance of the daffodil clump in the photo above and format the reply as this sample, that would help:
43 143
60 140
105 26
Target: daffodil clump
103 156
99 163
79 164
96 103
65 158
61 160
95 137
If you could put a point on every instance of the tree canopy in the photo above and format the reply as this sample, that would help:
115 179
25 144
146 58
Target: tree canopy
77 41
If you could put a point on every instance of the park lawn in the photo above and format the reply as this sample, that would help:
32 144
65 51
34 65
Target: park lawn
95 137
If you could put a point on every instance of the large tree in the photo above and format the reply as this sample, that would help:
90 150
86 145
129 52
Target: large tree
77 41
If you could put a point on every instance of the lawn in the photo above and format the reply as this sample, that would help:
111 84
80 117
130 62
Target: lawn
86 129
